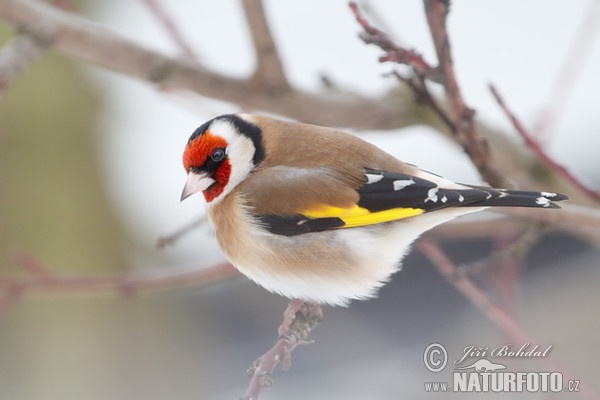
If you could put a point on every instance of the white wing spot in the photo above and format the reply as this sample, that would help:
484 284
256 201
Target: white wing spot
373 178
461 198
402 183
548 194
542 201
444 199
432 195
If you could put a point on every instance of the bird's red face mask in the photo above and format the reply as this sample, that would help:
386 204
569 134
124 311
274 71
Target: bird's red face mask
206 163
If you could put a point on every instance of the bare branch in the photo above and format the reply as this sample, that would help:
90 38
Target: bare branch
299 319
572 217
167 240
393 52
509 246
18 54
269 73
93 43
40 279
447 269
462 123
534 146
499 317
161 14
579 50
418 85
475 146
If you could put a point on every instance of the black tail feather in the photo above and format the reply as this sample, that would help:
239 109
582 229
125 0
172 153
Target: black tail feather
384 190
510 198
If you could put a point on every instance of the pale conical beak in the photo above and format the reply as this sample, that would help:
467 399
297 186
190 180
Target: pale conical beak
196 183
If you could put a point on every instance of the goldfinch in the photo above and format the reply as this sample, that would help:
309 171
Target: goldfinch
316 214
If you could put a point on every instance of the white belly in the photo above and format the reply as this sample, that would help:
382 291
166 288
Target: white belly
331 267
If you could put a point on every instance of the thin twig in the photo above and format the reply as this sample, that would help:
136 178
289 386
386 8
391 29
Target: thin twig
510 245
423 95
39 278
571 217
393 52
299 319
499 317
540 153
161 14
578 51
171 238
447 269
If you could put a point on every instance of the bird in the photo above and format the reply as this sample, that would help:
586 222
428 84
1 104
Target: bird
317 214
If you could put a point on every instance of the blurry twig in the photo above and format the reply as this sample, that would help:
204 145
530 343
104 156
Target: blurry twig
580 48
501 270
159 11
39 278
22 50
511 245
499 317
534 146
89 42
299 319
464 285
171 238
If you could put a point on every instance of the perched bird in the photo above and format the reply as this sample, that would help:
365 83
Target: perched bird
316 214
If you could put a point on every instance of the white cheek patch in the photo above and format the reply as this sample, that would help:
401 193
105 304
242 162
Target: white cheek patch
240 152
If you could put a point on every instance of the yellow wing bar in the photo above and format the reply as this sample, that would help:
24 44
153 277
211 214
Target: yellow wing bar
358 216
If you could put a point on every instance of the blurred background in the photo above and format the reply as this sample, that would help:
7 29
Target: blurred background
90 178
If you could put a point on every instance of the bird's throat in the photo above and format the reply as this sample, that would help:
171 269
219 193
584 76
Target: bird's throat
221 178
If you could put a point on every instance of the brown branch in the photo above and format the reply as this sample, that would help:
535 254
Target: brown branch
39 278
161 14
474 145
509 246
21 51
423 95
499 317
90 42
571 217
462 125
269 73
393 52
535 147
447 269
299 319
461 230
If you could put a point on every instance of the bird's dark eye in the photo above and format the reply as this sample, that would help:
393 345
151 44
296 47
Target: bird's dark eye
217 155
